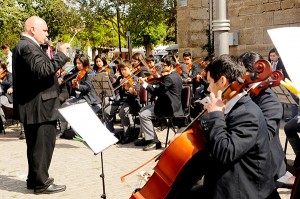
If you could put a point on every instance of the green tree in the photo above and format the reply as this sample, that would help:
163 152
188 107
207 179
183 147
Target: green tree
11 18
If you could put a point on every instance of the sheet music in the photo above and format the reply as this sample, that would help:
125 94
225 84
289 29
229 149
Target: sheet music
86 123
287 42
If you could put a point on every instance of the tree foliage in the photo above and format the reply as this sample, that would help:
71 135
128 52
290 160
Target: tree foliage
93 22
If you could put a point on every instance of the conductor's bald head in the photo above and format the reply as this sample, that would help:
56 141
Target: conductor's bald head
37 28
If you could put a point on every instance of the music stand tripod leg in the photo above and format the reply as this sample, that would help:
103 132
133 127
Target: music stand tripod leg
102 176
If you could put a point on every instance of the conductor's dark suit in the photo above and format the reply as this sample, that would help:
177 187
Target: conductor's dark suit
35 104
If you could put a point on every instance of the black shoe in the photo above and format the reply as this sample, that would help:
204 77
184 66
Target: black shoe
51 189
30 185
126 140
141 142
152 146
22 136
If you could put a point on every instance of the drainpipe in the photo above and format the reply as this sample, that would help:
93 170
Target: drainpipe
220 27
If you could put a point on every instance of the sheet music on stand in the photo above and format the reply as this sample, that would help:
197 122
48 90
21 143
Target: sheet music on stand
86 123
284 95
102 84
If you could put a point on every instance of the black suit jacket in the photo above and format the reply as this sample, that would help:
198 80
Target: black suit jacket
35 84
272 110
240 150
168 94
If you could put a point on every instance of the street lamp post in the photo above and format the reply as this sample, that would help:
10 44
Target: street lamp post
118 22
221 26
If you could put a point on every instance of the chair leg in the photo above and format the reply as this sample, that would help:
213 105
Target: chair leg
285 145
167 138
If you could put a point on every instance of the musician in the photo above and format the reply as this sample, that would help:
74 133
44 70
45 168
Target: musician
272 110
155 69
181 68
131 103
291 129
168 103
240 153
138 60
6 90
100 65
82 88
192 67
6 51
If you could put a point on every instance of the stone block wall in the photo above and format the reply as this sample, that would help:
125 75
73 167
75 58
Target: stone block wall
249 18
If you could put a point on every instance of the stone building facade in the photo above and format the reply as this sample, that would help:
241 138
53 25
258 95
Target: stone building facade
250 19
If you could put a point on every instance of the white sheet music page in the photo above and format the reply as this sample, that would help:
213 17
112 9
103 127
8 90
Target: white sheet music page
287 42
86 123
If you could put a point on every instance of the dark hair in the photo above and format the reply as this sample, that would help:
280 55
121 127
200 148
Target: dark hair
150 58
140 57
5 46
125 63
169 60
187 54
83 58
95 67
273 50
3 65
249 58
225 65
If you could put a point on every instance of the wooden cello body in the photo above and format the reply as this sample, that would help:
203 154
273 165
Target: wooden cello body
184 160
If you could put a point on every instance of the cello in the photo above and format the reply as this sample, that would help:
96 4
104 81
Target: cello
170 181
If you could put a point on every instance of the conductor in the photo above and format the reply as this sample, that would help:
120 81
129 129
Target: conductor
36 101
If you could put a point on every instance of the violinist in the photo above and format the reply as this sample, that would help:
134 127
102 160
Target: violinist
192 68
272 110
82 88
6 91
65 86
168 103
155 69
100 65
130 102
138 60
240 152
180 68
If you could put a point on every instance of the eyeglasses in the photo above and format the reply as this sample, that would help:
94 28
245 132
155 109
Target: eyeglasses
164 65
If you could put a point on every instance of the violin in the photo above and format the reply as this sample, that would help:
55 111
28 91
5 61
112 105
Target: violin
64 71
178 68
3 74
174 166
80 75
155 79
134 72
274 80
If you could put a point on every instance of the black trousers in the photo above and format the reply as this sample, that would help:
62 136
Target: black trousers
40 140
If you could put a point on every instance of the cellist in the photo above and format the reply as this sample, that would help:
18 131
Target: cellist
240 155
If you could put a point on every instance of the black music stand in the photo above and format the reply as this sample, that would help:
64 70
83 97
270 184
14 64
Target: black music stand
97 138
103 88
284 97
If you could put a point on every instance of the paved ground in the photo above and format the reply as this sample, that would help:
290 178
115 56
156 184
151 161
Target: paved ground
75 165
